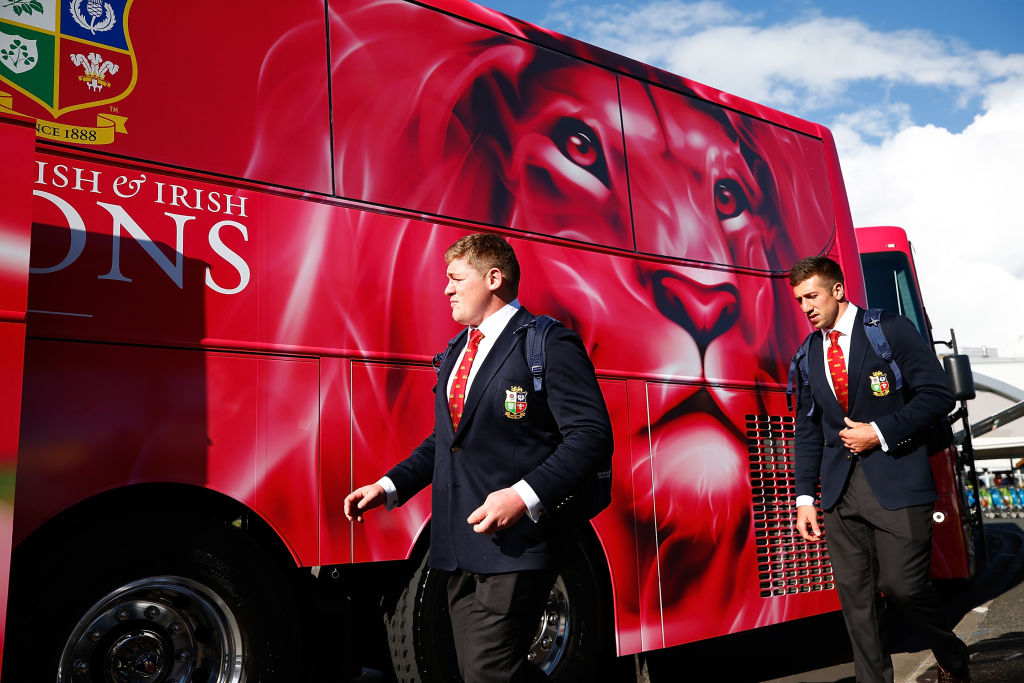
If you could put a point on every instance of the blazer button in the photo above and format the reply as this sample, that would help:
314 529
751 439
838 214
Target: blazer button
847 457
456 449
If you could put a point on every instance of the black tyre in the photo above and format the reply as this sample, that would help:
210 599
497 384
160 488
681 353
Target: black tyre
139 601
573 641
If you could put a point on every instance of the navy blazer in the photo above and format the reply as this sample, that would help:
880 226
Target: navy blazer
564 436
902 476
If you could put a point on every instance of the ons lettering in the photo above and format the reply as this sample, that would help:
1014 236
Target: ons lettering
125 227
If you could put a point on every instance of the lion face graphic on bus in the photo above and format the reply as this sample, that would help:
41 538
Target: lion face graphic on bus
688 206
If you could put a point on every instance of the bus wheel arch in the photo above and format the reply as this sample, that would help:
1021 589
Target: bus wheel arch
174 591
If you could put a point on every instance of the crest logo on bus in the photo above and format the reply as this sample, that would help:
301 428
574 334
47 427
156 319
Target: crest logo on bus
67 55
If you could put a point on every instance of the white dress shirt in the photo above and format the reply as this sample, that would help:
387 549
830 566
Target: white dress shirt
492 327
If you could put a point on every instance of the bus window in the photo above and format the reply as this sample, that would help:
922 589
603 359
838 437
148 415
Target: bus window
890 285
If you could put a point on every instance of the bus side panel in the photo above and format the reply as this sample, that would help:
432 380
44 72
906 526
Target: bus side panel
287 450
392 412
98 417
352 283
950 552
618 532
647 611
17 140
335 460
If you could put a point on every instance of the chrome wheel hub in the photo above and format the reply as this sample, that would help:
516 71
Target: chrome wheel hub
162 629
553 631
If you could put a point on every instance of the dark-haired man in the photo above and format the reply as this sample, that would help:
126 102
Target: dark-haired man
863 440
498 470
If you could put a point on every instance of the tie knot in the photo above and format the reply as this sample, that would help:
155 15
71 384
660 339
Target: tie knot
475 336
834 336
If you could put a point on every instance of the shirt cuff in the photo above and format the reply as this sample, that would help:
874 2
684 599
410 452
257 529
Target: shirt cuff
881 439
390 490
804 500
534 509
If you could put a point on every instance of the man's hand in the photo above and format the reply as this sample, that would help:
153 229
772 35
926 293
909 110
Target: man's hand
807 523
362 499
859 437
501 510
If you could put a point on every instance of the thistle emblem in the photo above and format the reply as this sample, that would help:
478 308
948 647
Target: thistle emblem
101 16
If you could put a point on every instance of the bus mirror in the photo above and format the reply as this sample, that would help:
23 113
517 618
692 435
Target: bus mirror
958 369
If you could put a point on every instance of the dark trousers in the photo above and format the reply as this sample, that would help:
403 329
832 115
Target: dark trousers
876 550
494 620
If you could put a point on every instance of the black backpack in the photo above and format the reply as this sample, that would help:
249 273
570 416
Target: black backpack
595 494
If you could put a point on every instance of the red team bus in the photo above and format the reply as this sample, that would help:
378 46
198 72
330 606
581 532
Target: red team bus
220 256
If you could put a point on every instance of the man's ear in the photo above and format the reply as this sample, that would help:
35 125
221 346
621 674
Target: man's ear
494 279
839 291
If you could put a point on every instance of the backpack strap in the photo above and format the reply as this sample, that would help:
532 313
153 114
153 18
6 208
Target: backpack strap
873 329
536 340
439 358
798 373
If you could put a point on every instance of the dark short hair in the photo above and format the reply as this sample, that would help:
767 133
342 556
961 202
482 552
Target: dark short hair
822 266
483 251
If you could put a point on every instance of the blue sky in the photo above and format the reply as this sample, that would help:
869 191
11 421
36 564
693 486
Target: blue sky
924 97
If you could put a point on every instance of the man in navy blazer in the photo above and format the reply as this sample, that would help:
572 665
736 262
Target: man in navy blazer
501 459
871 459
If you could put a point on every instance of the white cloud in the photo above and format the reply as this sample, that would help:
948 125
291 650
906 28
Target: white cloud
956 193
805 64
880 121
611 24
958 197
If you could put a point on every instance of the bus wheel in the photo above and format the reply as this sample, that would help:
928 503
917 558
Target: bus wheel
573 640
212 608
168 626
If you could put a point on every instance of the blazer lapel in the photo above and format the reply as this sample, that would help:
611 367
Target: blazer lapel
854 364
495 357
816 363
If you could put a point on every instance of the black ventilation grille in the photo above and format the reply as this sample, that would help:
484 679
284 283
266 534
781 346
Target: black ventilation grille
786 563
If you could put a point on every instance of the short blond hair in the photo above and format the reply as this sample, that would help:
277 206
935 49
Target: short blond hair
483 251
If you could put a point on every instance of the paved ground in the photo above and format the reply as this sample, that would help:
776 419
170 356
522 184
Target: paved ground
989 615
